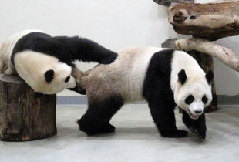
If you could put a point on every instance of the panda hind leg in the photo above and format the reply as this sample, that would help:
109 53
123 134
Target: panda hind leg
97 117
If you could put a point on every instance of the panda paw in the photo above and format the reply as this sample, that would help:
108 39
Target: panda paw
200 132
174 133
197 127
93 128
9 71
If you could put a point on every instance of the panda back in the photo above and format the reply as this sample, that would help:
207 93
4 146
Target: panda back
135 61
33 41
9 44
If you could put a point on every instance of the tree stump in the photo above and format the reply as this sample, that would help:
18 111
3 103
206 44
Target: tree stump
23 116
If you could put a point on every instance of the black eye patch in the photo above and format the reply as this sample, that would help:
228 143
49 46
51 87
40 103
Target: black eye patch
67 79
49 75
204 99
189 99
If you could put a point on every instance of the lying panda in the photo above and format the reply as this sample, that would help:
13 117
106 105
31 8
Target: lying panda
45 62
164 77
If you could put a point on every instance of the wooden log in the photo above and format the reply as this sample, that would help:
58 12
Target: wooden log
206 63
168 2
169 43
227 56
209 21
23 116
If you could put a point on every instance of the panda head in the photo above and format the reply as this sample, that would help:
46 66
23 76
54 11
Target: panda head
194 93
57 79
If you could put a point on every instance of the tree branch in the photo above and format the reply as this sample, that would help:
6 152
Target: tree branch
227 56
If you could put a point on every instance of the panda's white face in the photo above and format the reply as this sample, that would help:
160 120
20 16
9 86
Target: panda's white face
193 94
194 97
58 79
45 74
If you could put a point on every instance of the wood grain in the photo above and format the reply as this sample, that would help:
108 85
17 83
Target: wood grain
23 116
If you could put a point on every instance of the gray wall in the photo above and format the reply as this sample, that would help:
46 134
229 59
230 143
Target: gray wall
115 24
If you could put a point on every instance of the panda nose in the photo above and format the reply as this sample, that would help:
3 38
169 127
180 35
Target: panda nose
198 111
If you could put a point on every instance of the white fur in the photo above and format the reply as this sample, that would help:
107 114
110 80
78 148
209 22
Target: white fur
196 83
126 75
31 66
7 48
137 72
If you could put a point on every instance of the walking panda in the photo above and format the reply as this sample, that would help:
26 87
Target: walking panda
45 62
163 77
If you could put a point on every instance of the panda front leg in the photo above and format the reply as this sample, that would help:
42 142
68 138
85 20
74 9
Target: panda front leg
196 126
164 118
97 117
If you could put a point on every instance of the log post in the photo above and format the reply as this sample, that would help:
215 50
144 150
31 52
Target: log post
23 116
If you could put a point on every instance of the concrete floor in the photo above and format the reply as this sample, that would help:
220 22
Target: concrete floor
136 139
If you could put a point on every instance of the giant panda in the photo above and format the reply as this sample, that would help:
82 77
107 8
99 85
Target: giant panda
45 62
165 78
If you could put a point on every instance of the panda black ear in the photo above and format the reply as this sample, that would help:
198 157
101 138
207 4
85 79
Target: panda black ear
182 77
49 74
209 76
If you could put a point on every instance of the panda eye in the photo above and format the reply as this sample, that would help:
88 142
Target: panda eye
67 79
204 99
189 100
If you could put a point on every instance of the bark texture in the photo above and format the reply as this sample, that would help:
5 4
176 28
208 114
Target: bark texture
23 116
227 56
168 2
209 21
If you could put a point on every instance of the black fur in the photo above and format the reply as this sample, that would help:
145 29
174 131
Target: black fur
66 49
196 126
97 117
189 99
158 94
209 76
79 90
67 79
204 99
182 77
38 95
49 75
